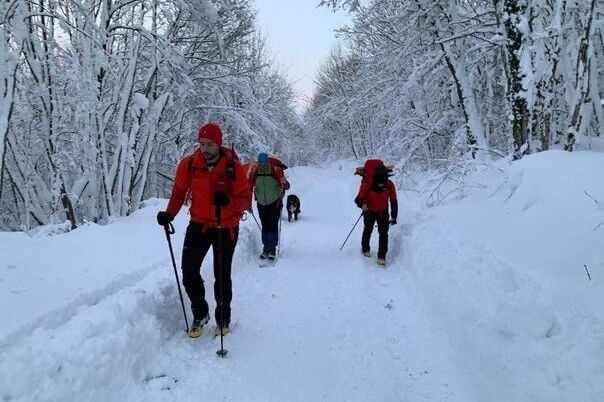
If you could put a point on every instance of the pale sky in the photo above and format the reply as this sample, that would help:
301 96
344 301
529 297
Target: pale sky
300 36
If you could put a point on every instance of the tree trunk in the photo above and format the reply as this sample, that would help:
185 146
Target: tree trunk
578 125
518 104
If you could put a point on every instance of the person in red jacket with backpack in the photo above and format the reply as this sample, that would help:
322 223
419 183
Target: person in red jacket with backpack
220 194
375 192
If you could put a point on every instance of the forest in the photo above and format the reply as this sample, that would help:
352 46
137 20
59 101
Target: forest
101 98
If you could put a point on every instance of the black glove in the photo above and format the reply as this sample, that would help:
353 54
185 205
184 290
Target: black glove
393 221
221 199
164 218
359 202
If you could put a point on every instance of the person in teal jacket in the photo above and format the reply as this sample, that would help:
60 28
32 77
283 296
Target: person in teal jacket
269 184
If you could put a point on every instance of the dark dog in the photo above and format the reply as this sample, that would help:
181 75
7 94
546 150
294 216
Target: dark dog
293 207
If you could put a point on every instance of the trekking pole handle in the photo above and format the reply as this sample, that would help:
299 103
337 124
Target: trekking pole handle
169 228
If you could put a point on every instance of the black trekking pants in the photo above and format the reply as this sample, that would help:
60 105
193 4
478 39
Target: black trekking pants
269 218
382 219
196 245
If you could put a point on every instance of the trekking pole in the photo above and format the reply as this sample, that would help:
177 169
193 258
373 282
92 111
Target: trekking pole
222 352
256 220
169 229
354 226
279 233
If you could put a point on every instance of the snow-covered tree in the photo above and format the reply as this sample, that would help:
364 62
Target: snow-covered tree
437 79
102 98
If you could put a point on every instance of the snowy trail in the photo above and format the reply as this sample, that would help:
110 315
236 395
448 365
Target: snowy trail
93 315
320 325
321 321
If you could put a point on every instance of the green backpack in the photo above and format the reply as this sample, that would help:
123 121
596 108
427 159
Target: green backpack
268 189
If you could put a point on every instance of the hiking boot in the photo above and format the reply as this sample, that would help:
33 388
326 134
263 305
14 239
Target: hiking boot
270 252
381 261
225 331
197 327
265 252
367 253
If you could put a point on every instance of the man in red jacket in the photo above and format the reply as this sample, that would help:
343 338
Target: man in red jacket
375 191
217 184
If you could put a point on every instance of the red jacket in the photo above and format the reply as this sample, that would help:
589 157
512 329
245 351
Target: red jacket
377 202
193 175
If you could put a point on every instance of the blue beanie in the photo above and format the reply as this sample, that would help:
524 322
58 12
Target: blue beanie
262 158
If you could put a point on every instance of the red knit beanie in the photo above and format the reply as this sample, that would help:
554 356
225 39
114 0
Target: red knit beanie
211 132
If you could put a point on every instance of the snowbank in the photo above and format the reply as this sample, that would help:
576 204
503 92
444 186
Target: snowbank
503 269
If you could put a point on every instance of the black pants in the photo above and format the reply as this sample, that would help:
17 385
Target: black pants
269 218
197 243
382 219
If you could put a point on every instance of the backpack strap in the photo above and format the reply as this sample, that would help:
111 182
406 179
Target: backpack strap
190 168
227 153
271 173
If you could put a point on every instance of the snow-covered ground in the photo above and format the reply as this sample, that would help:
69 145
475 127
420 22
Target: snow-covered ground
485 298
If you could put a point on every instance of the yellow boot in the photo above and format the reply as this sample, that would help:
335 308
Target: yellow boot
225 331
381 261
366 253
197 327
